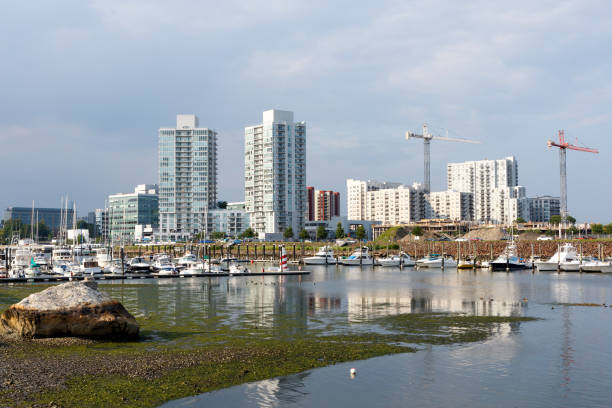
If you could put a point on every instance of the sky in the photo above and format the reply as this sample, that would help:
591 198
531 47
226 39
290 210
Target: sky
85 85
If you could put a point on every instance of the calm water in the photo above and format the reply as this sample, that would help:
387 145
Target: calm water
562 360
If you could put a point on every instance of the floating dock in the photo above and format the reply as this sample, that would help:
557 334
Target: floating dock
53 279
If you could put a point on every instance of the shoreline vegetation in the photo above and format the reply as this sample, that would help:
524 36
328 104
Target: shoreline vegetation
172 361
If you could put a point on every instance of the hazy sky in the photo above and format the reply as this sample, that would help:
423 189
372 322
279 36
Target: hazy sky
84 86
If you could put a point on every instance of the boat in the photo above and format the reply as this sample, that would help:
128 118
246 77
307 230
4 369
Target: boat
33 270
21 261
103 257
596 265
187 258
198 268
438 262
89 266
161 261
566 253
360 256
508 260
238 269
139 265
324 256
167 270
403 259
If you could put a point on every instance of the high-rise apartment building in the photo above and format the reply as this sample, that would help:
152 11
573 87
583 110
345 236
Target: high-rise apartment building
322 204
494 186
275 173
187 177
453 205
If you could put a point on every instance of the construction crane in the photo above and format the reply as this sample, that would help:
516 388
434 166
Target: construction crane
563 146
427 137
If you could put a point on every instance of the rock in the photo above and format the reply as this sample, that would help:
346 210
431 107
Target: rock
71 309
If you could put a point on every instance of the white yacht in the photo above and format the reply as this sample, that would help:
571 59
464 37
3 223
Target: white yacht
197 268
238 269
360 256
187 258
139 265
508 260
402 259
103 257
324 256
566 254
597 266
436 261
21 261
161 261
89 266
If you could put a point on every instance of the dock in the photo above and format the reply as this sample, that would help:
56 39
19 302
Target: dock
55 279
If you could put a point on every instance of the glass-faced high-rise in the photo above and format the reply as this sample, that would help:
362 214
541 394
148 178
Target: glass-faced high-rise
275 173
187 178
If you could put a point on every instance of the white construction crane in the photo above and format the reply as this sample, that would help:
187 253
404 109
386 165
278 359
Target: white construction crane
427 137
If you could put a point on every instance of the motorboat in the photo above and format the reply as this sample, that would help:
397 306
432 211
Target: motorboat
324 256
566 254
238 269
575 265
166 270
224 263
89 266
360 256
508 260
187 258
402 259
438 262
103 257
596 265
22 258
139 265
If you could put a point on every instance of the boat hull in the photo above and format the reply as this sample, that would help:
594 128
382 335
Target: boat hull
315 260
502 266
357 262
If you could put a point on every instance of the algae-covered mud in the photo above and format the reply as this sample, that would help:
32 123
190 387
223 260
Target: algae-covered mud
206 334
194 340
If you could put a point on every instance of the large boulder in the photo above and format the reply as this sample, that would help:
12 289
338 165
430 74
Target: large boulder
71 309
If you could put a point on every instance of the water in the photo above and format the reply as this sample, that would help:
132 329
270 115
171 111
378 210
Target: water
562 360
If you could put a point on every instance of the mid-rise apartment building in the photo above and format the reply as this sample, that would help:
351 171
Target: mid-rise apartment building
356 196
452 205
187 177
126 211
275 173
322 204
542 208
232 221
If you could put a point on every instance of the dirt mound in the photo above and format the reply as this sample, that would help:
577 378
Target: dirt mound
486 234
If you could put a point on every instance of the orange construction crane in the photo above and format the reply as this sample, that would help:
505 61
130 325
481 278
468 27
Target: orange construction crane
563 146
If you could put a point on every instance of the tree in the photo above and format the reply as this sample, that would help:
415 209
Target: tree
360 234
555 220
321 232
571 219
217 235
597 228
520 220
288 234
248 233
339 231
417 231
304 234
608 228
222 204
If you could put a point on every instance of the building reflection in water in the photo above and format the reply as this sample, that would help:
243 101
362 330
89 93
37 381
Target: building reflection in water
279 391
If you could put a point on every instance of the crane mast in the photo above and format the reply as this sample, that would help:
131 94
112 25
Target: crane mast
563 146
427 138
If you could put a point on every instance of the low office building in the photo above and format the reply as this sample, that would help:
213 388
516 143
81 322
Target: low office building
51 216
126 211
